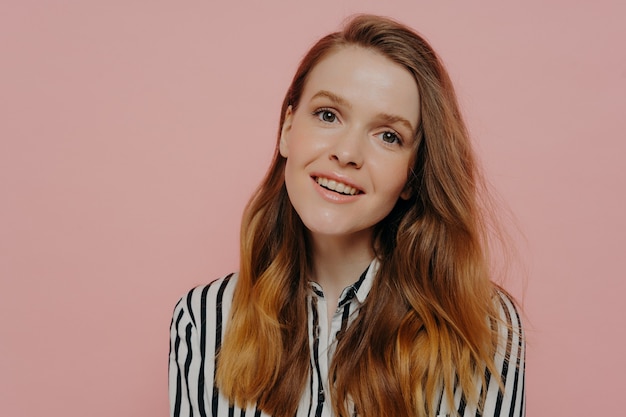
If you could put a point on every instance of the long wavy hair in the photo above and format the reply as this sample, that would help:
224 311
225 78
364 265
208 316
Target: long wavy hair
426 322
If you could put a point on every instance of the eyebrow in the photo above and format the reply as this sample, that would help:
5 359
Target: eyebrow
387 118
332 97
390 119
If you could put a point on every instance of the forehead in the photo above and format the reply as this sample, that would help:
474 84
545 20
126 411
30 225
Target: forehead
365 78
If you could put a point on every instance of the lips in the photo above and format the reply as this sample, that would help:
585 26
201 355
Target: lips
337 186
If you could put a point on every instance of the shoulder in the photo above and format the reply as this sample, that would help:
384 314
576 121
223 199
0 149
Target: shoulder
508 312
204 300
511 344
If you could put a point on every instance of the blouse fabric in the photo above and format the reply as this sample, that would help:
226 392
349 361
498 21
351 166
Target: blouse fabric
200 320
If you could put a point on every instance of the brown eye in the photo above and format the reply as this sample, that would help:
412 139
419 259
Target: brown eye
326 116
389 137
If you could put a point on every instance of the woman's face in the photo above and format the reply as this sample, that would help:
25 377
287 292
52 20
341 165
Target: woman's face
350 141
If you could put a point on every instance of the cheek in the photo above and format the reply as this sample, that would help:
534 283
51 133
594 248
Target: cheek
294 179
307 142
393 176
288 173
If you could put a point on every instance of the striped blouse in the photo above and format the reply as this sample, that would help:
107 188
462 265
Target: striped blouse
200 320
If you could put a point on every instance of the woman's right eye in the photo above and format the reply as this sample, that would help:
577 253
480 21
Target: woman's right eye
326 115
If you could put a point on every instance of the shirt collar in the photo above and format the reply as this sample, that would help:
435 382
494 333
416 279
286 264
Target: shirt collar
360 288
365 282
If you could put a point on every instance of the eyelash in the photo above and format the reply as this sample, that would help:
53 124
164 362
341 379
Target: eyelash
396 138
319 113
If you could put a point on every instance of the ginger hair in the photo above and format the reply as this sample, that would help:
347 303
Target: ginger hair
428 319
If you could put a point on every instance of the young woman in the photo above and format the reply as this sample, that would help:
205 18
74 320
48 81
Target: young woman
364 286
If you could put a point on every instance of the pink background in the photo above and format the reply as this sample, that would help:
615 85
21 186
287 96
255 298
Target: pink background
132 134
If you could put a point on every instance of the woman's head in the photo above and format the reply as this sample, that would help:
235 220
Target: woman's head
441 172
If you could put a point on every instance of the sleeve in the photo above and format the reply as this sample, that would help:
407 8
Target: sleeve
510 363
502 395
187 395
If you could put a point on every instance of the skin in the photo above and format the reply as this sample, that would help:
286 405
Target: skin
355 124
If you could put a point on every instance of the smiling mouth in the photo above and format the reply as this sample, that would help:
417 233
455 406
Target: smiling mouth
336 186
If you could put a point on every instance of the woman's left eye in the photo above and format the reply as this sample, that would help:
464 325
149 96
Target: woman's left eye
390 137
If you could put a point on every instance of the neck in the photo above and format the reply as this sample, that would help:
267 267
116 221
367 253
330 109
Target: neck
339 261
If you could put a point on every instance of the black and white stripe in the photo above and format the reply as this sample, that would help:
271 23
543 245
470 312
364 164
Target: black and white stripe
198 326
509 361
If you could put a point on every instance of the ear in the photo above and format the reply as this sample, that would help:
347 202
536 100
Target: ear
284 133
407 192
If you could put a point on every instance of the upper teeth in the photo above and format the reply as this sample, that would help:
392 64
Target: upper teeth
336 186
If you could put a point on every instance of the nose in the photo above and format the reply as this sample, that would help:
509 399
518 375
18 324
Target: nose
347 149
